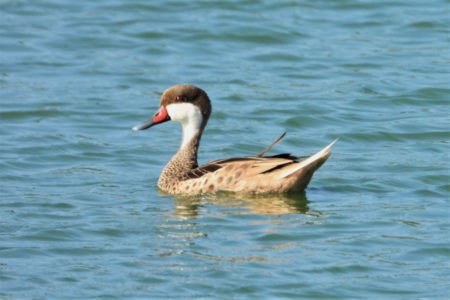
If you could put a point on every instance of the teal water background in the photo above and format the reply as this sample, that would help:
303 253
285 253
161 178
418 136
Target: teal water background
80 213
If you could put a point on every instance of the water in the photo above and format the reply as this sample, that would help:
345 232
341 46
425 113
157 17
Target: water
80 214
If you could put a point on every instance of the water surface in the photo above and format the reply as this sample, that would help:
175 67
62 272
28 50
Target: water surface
80 213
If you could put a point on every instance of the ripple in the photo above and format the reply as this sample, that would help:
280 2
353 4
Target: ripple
80 208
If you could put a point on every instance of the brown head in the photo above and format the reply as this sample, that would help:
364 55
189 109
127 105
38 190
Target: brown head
186 93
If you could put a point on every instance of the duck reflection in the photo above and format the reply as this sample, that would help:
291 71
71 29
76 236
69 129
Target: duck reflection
277 204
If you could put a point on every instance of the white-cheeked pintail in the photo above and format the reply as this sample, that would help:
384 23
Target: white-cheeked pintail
190 106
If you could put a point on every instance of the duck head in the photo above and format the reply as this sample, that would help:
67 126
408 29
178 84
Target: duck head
186 104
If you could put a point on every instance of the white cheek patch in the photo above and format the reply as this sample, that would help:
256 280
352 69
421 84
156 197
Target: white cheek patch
189 116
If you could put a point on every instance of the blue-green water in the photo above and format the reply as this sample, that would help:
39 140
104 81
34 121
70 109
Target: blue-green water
80 214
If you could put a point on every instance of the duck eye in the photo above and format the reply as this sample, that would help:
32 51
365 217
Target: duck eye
180 99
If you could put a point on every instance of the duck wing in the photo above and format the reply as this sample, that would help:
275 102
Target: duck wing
258 162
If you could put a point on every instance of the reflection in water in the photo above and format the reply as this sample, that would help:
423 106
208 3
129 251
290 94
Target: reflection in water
274 204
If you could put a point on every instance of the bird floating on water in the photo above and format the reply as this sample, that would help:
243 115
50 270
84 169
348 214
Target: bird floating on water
190 106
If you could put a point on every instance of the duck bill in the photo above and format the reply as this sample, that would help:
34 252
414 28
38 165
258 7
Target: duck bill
160 116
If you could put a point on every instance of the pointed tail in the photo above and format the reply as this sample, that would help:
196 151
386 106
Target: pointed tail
322 155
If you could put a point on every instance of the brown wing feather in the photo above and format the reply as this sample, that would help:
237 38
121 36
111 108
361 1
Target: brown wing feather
202 170
277 167
259 164
273 144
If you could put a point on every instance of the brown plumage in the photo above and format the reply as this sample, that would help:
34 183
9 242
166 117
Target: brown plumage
190 106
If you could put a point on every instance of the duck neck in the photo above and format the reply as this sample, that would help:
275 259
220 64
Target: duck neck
183 161
190 131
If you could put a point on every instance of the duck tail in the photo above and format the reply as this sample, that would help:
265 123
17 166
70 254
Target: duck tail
310 164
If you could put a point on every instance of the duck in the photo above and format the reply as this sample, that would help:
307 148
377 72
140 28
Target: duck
190 106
